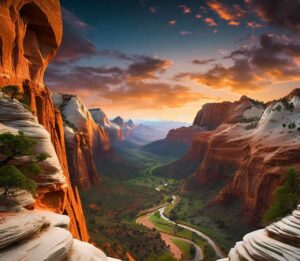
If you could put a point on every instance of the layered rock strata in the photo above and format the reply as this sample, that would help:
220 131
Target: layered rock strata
42 235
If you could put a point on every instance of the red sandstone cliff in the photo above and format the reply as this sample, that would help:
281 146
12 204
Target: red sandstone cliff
246 159
213 115
30 35
86 141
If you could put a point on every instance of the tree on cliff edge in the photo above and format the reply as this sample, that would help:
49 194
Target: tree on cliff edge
12 91
287 197
12 176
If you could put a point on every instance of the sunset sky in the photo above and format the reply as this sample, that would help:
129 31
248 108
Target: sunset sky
146 59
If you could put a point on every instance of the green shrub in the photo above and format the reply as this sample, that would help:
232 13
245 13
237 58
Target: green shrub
12 91
287 197
11 177
14 146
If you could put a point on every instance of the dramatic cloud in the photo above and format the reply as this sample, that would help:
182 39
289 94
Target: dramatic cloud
283 13
203 61
115 85
84 78
232 13
147 68
273 59
139 94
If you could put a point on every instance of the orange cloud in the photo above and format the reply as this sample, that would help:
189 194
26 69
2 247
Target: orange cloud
232 13
142 95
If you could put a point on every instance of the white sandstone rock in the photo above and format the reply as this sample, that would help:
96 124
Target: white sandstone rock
278 241
14 117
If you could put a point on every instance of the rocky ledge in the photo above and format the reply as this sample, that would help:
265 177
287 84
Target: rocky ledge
42 235
278 241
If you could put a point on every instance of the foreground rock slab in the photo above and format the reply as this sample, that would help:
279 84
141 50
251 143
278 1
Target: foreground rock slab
42 235
278 241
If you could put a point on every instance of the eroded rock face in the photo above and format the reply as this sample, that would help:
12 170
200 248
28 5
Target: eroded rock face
246 160
279 241
30 35
213 115
86 142
114 130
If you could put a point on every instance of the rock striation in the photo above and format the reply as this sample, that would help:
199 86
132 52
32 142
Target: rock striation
42 235
278 241
30 35
14 117
86 141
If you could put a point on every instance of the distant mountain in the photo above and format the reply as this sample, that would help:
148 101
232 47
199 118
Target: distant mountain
175 144
114 130
163 125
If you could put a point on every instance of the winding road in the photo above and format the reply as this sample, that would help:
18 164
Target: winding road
199 253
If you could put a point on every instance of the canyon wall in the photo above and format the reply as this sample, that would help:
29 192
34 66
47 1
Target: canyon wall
30 35
213 115
245 159
86 141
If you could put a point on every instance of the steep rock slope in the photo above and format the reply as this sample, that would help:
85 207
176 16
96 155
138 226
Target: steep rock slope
86 142
30 35
213 115
278 241
246 160
114 130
